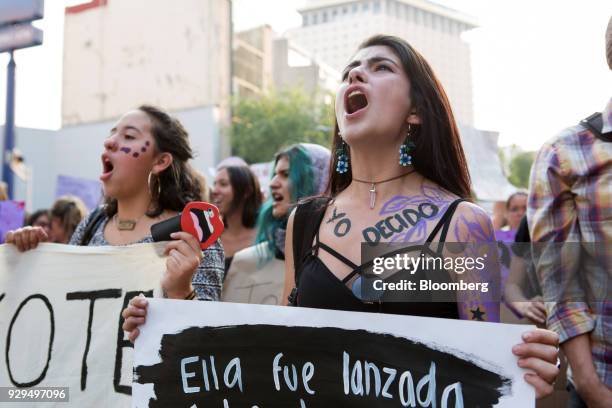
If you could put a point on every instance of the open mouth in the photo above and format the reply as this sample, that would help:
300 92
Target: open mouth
217 200
107 168
355 101
277 198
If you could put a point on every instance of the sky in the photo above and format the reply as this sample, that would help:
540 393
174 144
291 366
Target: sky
537 66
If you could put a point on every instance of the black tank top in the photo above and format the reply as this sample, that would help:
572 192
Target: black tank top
318 287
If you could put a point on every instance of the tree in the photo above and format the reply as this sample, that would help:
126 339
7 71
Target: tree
520 167
261 126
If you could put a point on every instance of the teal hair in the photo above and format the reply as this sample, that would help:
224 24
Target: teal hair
302 184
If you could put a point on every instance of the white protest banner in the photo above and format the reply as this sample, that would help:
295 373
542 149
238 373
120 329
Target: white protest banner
224 355
60 318
249 280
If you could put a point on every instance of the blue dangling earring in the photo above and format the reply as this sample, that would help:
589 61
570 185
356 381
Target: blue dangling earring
342 160
405 158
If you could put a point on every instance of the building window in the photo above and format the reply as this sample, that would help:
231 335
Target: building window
315 18
305 20
365 6
344 10
324 17
354 7
376 7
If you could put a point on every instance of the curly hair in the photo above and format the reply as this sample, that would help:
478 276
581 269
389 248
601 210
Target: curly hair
178 184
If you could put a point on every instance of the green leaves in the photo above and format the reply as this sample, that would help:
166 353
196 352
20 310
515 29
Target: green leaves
520 166
261 126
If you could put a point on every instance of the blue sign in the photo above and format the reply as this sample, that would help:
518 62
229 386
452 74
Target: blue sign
20 11
18 36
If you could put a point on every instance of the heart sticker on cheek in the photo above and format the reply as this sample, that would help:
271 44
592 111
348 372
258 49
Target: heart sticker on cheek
202 220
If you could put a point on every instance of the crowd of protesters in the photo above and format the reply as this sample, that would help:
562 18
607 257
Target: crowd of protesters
394 136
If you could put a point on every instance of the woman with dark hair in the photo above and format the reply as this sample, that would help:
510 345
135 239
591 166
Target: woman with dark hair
147 178
237 194
513 268
257 272
516 208
66 214
40 218
399 175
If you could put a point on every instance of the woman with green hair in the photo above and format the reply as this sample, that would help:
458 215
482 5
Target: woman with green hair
257 273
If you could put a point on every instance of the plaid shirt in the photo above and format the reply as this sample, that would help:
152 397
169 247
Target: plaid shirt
571 201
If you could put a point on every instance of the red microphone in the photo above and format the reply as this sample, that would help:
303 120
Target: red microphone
200 219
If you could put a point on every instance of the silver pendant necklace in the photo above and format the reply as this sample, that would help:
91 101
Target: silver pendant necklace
374 183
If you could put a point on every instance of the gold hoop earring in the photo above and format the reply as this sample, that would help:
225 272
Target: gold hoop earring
149 184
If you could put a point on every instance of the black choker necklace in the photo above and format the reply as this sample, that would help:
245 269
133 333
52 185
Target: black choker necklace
374 183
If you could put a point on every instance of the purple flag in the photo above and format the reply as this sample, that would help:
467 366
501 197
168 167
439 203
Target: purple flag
12 215
90 191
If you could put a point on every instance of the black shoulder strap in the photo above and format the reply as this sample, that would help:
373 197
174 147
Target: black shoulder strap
96 218
444 224
305 225
595 124
448 214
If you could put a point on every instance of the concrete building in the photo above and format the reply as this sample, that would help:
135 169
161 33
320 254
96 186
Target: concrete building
75 151
293 66
263 61
332 29
252 62
120 54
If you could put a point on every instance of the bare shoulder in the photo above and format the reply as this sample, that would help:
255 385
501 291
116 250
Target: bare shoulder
471 223
435 193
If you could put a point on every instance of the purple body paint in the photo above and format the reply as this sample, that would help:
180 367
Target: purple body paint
432 196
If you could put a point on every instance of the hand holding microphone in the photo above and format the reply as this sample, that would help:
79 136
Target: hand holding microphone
200 219
197 227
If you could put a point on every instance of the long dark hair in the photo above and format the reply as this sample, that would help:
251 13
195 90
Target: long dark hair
178 184
438 154
247 192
